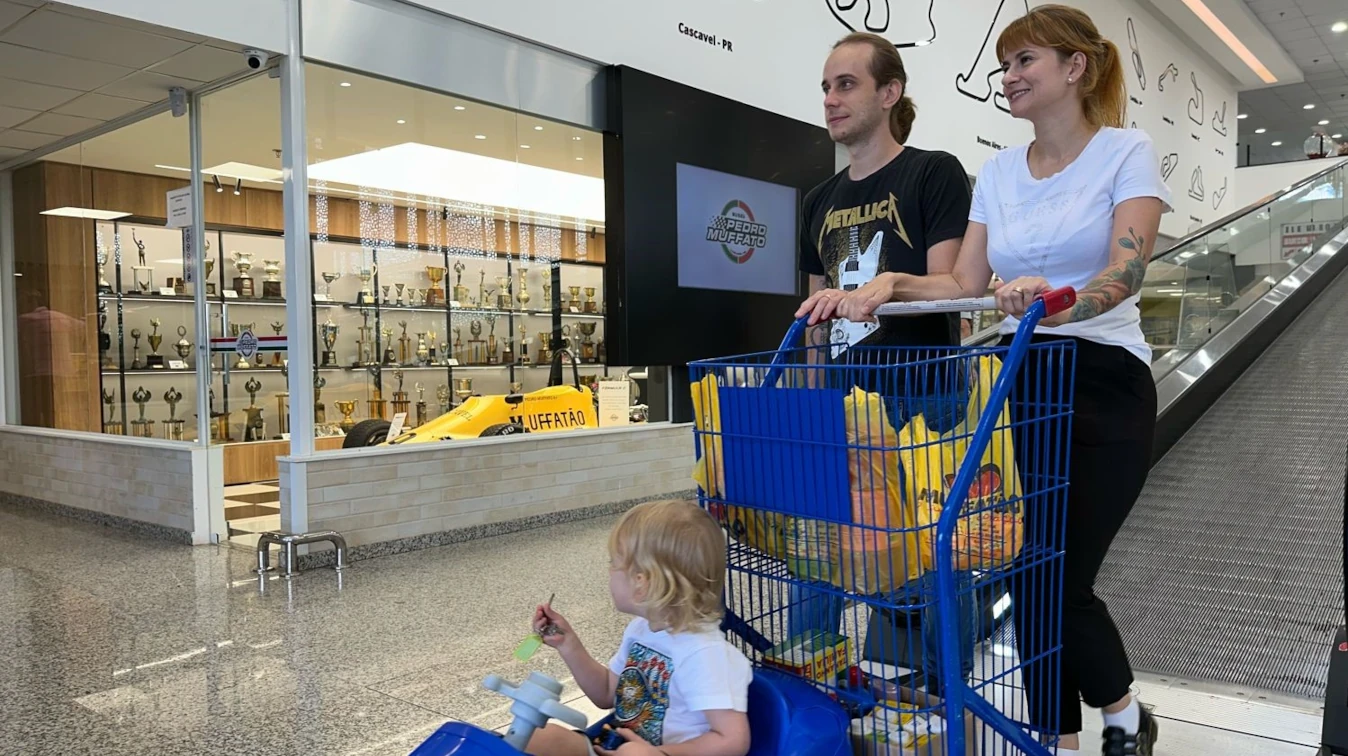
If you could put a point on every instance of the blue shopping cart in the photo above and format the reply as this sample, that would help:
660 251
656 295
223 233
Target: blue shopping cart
907 499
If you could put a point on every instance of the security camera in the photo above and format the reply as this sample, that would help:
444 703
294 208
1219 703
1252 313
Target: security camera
257 59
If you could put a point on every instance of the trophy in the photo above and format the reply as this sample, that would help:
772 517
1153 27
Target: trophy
155 360
110 425
183 348
508 352
101 259
516 387
423 352
366 295
283 405
460 291
253 423
524 346
404 345
412 297
346 407
523 296
364 346
141 427
235 330
220 430
435 295
482 288
574 301
135 349
591 306
476 347
329 331
399 289
384 301
442 396
104 338
320 410
210 266
547 292
328 278
430 348
421 406
586 345
378 406
503 299
601 353
463 388
389 357
276 359
400 400
243 285
173 427
544 347
458 345
271 286
141 274
491 338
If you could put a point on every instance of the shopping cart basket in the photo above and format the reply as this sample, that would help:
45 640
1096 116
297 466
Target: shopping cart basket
910 486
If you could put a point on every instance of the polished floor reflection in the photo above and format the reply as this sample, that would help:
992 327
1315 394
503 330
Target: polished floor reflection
111 645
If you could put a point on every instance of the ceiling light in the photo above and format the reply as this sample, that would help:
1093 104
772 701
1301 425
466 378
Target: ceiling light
235 171
1260 131
1324 122
84 212
575 139
216 180
459 107
1335 136
1311 106
1242 116
1340 27
524 146
479 136
1277 144
580 158
401 121
1231 40
345 84
419 169
238 187
538 128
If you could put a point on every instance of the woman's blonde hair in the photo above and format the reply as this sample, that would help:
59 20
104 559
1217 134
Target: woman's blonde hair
1104 95
680 551
886 66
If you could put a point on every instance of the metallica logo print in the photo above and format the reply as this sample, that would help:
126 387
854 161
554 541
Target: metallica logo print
886 222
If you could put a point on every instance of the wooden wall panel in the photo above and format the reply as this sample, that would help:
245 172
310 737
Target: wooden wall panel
264 210
256 461
136 193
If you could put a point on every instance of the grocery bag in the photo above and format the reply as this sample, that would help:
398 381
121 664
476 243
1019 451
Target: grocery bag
884 554
763 531
991 533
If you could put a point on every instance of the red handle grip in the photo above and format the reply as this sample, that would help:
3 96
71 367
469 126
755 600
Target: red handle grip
1057 300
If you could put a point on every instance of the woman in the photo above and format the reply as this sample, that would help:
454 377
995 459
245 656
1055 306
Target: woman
1079 206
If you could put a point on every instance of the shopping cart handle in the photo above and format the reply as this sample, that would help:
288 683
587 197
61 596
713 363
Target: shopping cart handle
1057 300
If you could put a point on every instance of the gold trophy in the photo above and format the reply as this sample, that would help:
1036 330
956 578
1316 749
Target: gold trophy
366 295
173 427
271 287
421 406
390 358
135 349
155 360
492 345
210 266
523 351
460 291
544 347
591 305
516 387
320 410
523 296
463 388
457 354
253 424
364 346
435 295
547 293
586 329
243 284
276 359
503 299
477 352
400 400
142 427
442 397
184 347
399 288
575 297
405 351
110 425
377 404
346 407
423 351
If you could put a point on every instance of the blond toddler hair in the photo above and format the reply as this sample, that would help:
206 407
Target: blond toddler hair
681 552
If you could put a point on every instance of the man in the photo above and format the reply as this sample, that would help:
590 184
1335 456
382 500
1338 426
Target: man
894 209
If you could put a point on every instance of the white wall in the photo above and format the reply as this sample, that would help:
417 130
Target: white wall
1256 182
776 53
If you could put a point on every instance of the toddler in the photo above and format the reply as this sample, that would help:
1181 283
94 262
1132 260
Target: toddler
676 686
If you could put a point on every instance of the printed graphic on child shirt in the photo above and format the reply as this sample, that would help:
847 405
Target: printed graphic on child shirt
643 693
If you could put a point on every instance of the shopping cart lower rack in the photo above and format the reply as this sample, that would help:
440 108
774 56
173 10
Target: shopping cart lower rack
889 509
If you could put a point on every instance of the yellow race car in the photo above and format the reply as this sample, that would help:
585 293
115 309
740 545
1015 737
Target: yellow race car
555 408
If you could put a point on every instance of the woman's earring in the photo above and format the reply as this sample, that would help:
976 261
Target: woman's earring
1070 79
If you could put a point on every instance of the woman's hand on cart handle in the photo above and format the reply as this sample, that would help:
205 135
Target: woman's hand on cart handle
1016 296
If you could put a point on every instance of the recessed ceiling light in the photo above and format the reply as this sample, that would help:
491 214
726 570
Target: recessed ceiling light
1277 144
1308 107
459 107
84 212
1260 131
1324 122
401 121
1242 116
524 146
538 128
1335 136
1340 27
479 136
345 84
580 158
575 139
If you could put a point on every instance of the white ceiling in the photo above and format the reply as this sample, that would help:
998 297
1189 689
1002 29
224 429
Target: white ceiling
1303 28
64 70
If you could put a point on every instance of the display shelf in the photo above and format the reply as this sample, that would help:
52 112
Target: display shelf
466 310
214 299
150 371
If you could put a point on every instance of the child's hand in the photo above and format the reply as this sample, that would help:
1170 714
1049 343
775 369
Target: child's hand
553 628
634 746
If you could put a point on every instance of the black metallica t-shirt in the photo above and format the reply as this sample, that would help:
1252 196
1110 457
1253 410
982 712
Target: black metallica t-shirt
886 222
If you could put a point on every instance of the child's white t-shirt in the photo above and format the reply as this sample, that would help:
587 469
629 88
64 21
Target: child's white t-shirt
667 680
1060 228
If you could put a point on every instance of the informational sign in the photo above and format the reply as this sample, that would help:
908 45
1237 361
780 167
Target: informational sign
179 207
615 402
395 428
1296 236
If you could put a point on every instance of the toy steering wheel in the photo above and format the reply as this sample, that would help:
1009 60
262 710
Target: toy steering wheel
537 700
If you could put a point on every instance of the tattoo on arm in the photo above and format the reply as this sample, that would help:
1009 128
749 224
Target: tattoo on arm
818 335
1116 283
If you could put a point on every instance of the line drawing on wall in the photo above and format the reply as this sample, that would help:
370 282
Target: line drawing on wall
1196 102
1196 184
1219 120
1172 72
1137 56
977 82
915 25
1219 195
1168 165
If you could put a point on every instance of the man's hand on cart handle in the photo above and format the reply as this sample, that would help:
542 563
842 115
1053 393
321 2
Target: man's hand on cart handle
857 305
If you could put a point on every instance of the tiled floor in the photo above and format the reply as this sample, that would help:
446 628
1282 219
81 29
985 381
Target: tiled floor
112 645
250 509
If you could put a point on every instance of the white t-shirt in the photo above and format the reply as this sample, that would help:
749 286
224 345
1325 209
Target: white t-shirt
1060 228
667 680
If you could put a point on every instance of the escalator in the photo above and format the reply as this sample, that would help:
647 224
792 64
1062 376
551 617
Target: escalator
1229 569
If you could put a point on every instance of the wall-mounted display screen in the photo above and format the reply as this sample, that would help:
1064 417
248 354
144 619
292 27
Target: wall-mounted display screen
735 233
